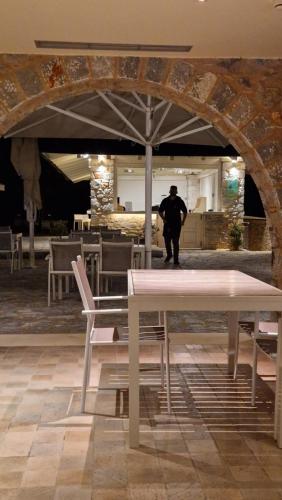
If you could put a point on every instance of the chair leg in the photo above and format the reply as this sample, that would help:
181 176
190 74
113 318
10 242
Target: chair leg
54 287
60 285
167 364
255 358
12 263
162 364
67 284
254 371
86 367
49 289
89 364
236 355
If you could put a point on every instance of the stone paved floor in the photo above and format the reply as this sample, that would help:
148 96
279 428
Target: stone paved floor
23 304
213 446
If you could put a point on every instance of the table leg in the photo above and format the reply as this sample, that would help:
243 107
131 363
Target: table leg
133 351
233 339
278 389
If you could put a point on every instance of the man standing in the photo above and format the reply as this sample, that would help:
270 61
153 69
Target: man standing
170 211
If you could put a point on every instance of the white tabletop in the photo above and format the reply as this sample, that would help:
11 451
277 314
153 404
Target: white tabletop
199 289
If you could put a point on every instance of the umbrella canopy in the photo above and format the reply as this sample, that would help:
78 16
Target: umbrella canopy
26 160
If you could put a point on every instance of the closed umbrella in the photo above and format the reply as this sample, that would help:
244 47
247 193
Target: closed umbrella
26 160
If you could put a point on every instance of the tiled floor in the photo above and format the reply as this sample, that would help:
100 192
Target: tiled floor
214 446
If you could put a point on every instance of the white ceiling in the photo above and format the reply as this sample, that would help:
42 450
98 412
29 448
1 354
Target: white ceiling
77 169
215 28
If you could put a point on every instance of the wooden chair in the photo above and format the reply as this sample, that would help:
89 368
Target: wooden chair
115 260
149 335
264 335
61 255
8 247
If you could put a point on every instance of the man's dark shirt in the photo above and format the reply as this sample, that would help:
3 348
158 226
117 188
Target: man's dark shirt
172 207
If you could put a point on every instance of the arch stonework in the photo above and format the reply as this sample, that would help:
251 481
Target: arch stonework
241 98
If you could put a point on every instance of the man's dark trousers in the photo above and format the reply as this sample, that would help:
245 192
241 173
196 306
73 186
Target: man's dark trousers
172 235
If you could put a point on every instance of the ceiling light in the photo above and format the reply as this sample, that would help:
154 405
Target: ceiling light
122 47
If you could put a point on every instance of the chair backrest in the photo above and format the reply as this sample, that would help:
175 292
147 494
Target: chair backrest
83 285
116 256
121 238
98 229
6 241
5 229
87 236
62 254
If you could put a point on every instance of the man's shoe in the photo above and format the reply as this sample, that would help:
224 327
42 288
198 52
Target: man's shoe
167 259
176 263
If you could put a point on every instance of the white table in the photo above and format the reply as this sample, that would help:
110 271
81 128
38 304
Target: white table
197 290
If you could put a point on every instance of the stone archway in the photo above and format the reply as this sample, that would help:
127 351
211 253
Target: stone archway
242 98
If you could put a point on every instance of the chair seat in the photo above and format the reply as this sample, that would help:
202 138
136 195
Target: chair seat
119 335
267 336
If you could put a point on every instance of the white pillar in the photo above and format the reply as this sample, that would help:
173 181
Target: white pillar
148 188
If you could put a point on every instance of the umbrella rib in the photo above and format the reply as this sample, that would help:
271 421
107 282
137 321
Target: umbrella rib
44 120
121 115
183 134
162 119
93 123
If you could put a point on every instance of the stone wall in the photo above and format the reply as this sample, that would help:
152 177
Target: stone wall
101 189
256 234
215 231
240 97
233 184
130 223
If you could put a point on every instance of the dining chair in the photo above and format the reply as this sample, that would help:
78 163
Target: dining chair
264 335
110 336
115 259
8 247
61 255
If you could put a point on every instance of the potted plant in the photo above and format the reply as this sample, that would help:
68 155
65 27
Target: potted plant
235 234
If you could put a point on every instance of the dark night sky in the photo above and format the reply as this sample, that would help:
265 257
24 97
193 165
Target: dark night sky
61 198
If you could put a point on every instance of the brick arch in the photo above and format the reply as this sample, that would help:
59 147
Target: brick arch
242 98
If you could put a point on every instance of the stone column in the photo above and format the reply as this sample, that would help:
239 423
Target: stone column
102 189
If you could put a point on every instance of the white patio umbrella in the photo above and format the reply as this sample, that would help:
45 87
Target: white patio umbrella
26 160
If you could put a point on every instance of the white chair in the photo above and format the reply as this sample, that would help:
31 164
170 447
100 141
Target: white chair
149 335
115 259
61 255
80 221
201 205
264 335
8 247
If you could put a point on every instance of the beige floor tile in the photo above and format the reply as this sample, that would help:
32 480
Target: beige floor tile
261 494
110 494
147 491
42 462
222 494
13 464
10 494
39 493
274 472
16 444
39 477
72 493
10 479
248 473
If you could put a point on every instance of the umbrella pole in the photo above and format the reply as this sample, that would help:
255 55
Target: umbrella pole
30 218
148 188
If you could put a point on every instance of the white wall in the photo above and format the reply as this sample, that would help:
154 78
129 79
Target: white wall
207 189
132 188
